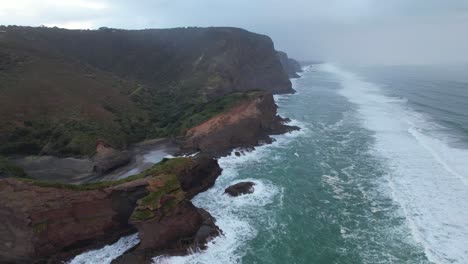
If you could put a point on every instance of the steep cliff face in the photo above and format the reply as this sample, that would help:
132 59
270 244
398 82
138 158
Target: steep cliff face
245 125
41 220
290 66
63 90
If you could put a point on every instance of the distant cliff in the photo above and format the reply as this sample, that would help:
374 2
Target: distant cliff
291 66
64 90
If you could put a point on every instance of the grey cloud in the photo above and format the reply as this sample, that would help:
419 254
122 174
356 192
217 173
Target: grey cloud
353 31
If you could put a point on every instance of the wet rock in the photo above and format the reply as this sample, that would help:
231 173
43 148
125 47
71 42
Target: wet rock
240 188
207 231
201 176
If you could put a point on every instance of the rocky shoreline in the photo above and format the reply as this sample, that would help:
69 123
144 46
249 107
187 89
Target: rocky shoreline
51 223
86 203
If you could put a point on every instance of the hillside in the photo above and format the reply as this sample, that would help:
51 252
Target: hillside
62 90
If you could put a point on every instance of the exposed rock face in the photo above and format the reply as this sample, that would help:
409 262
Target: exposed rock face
108 158
245 125
200 177
290 66
38 222
240 188
86 87
207 230
41 220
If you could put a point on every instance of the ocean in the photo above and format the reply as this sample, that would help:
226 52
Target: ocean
378 173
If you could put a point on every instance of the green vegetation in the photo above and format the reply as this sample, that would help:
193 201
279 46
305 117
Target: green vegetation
70 138
165 190
175 118
166 167
152 201
8 169
40 227
81 87
142 215
79 137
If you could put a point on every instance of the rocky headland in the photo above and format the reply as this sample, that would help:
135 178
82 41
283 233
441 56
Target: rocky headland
209 89
50 221
248 124
291 66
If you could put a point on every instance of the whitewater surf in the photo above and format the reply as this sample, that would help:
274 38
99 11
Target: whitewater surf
367 179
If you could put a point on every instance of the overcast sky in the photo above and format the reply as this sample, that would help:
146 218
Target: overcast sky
349 31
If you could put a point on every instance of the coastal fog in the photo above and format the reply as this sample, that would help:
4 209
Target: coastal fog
351 32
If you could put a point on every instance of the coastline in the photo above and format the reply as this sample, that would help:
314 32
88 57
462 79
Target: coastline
73 205
195 179
238 153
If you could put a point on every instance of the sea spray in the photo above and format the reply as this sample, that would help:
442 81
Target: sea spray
425 174
108 253
232 213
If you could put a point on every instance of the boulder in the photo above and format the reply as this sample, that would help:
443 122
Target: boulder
107 158
240 188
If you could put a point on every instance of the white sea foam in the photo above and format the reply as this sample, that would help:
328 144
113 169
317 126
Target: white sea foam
427 176
229 212
108 253
155 156
232 214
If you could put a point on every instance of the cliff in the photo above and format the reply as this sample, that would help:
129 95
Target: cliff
290 66
92 92
64 90
43 221
247 124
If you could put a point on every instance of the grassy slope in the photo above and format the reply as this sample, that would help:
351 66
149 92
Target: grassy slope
61 90
8 169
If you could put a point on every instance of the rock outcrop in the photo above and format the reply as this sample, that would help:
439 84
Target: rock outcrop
108 158
290 66
86 87
43 221
240 188
245 125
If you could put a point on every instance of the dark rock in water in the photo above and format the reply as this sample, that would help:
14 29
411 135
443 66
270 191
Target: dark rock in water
180 242
240 188
207 231
237 153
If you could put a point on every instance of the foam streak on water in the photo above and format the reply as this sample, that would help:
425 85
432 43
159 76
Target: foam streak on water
232 214
427 177
108 253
